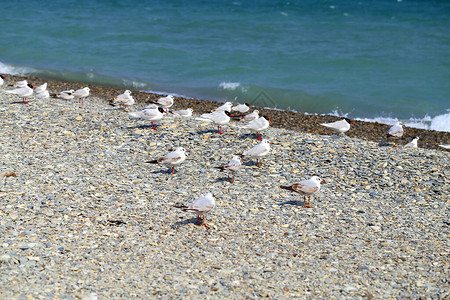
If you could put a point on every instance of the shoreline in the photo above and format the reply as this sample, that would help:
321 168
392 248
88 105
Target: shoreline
370 131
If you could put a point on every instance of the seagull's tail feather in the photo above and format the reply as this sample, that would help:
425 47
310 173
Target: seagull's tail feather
155 161
221 168
289 188
10 92
136 114
183 207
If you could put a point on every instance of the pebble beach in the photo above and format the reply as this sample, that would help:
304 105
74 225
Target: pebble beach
82 216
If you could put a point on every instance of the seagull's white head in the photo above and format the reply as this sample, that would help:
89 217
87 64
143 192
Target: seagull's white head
128 92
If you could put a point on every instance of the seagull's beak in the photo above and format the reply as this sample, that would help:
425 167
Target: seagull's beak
323 181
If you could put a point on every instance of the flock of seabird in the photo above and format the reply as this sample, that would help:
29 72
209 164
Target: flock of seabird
219 116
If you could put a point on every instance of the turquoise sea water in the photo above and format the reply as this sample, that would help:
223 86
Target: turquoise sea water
372 60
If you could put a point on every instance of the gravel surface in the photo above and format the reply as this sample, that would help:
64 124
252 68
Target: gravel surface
83 216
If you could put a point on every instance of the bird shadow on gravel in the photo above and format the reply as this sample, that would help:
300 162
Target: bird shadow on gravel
292 202
207 131
186 222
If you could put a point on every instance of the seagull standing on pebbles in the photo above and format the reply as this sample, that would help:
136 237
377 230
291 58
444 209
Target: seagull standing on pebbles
81 94
225 107
396 132
250 117
165 102
232 166
341 126
257 125
258 151
219 118
306 187
123 100
66 95
413 143
23 92
241 108
149 114
171 159
1 80
200 207
186 113
40 89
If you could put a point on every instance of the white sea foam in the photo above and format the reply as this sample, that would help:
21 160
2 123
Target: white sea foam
15 70
229 85
438 123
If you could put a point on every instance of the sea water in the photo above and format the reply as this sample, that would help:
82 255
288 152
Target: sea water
383 60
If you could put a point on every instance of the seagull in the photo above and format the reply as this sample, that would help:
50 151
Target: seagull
186 113
149 114
66 95
81 94
173 158
242 108
20 84
225 107
306 187
43 95
250 117
413 143
396 131
1 79
257 125
219 118
200 207
40 89
258 151
339 126
233 165
447 146
123 100
23 92
165 102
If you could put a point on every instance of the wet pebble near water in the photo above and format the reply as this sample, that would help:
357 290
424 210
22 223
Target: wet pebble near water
86 217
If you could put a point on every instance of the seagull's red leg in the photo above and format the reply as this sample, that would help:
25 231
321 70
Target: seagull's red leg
204 222
153 126
173 169
258 136
219 130
198 220
309 202
304 201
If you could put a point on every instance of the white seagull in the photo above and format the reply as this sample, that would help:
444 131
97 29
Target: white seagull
339 126
413 143
149 114
66 95
186 113
447 146
258 151
306 187
43 95
232 166
40 89
396 131
200 207
219 118
225 107
20 84
123 100
251 116
1 80
165 102
171 159
23 92
81 94
241 108
257 125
